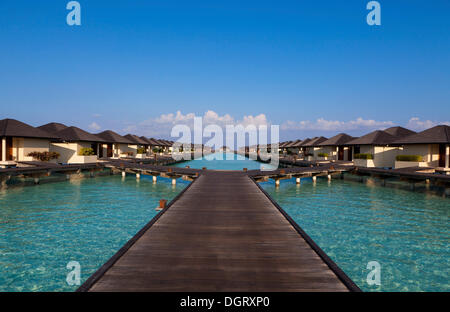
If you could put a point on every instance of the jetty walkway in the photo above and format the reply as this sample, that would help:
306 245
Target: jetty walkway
222 233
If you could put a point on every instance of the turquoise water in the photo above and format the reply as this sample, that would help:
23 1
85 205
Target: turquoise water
44 227
225 161
407 233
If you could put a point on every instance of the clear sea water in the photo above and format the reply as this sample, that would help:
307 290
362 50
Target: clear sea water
407 233
225 161
44 227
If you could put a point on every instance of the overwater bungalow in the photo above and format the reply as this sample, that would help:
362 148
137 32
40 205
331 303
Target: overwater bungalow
166 145
300 145
116 145
313 148
148 144
429 148
156 145
292 147
76 146
282 147
335 149
377 148
19 140
139 145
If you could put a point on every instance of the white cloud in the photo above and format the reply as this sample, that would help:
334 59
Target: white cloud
162 125
322 124
94 126
416 124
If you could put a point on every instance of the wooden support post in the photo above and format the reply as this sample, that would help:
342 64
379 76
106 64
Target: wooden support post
447 156
162 204
3 149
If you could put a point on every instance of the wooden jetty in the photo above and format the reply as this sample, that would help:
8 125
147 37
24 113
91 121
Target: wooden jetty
222 233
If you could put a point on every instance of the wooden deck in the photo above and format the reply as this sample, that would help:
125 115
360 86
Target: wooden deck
221 234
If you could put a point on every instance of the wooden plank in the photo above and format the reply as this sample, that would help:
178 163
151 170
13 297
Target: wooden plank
222 234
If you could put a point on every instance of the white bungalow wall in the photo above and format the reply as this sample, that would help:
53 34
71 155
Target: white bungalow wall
23 146
69 152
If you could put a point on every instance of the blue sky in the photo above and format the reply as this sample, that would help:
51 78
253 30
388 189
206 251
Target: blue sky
294 62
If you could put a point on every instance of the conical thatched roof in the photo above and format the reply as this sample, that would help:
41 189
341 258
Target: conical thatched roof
74 134
337 140
112 137
436 135
399 132
53 127
315 142
15 128
135 139
377 137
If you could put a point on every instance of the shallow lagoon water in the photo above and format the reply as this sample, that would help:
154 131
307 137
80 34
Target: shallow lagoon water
44 227
225 161
407 233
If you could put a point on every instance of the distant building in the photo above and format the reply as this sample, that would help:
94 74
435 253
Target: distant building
432 145
18 140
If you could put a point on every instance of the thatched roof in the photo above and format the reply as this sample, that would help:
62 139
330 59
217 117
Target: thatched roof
292 143
112 137
436 135
53 127
377 137
283 144
135 139
74 134
337 140
315 142
306 141
146 140
164 142
155 142
15 128
399 132
298 143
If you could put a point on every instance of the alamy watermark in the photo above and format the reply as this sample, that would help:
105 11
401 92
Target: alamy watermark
73 278
374 276
74 16
374 16
249 140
